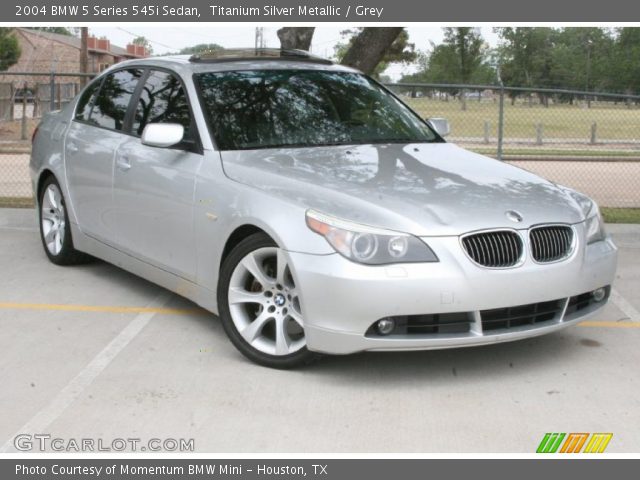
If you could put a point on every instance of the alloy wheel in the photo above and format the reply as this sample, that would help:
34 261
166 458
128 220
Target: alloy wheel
264 303
52 217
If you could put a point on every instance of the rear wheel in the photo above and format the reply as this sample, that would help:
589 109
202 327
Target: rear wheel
55 230
259 305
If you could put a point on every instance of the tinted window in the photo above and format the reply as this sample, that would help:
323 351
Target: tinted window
111 104
280 108
83 109
162 100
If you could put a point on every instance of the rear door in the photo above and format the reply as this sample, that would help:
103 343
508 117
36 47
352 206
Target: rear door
91 142
154 187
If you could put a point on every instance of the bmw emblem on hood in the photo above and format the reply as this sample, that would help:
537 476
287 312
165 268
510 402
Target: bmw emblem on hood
513 216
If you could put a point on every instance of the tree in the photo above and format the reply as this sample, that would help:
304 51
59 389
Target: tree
371 46
526 56
461 58
69 31
144 42
581 59
626 70
200 48
296 37
9 49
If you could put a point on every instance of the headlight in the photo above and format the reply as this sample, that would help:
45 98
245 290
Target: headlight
594 225
368 245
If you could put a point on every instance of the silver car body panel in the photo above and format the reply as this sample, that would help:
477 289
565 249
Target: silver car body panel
168 216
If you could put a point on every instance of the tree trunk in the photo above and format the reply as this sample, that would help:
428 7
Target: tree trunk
369 47
296 37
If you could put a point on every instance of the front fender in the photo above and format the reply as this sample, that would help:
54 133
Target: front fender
223 205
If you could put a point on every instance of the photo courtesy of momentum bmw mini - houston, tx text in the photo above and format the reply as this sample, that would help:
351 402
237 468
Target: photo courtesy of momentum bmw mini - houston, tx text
333 218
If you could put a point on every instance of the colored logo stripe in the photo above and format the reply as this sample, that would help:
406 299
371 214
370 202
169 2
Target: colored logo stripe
574 442
598 442
550 443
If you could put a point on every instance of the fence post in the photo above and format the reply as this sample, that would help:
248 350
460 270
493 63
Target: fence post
486 131
594 133
13 106
23 132
52 91
539 134
500 121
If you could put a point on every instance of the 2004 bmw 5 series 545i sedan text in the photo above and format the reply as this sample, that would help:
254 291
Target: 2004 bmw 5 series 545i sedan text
311 209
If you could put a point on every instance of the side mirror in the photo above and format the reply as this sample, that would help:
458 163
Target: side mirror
440 125
162 134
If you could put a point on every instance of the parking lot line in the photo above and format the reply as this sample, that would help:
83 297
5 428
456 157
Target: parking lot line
610 324
80 382
97 308
624 306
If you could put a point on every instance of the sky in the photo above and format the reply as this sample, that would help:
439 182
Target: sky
165 39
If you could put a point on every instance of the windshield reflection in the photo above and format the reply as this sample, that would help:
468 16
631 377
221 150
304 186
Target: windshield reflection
299 108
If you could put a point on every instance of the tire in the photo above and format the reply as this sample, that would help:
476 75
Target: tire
260 307
55 231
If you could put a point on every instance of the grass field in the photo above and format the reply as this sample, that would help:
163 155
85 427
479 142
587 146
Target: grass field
560 121
621 215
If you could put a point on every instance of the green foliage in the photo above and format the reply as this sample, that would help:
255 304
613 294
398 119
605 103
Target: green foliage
200 48
9 48
143 41
576 58
463 57
626 60
69 31
573 58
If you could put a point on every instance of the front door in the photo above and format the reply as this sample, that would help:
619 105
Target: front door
154 187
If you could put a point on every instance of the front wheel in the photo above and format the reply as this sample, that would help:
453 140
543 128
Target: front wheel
259 305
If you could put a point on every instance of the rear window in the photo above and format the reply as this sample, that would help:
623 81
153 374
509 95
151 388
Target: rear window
83 109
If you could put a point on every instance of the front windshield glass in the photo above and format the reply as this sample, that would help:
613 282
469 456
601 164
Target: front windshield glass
301 108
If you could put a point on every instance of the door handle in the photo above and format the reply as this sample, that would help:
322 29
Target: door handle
72 147
123 162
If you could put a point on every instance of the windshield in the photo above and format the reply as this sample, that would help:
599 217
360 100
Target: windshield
300 108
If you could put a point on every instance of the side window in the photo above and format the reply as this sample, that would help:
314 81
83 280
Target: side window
162 100
83 109
111 104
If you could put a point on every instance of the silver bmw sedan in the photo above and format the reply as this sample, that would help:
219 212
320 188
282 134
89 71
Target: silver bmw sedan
311 209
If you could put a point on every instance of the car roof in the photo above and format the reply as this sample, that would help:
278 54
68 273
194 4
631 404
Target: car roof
237 59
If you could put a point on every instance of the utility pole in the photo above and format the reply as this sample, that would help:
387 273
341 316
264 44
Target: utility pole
84 54
260 43
589 43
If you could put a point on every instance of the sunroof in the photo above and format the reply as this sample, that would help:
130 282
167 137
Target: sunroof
234 54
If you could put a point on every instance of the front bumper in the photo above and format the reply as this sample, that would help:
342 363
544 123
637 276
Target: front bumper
341 299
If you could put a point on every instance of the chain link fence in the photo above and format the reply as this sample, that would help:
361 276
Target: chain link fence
24 98
587 141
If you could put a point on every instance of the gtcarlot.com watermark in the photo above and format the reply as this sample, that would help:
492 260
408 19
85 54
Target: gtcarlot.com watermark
43 442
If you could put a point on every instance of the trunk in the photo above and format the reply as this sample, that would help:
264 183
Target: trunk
368 48
296 38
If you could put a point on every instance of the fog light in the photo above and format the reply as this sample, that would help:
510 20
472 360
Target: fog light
599 294
386 326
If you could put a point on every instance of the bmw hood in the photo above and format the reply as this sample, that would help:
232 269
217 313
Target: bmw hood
423 189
